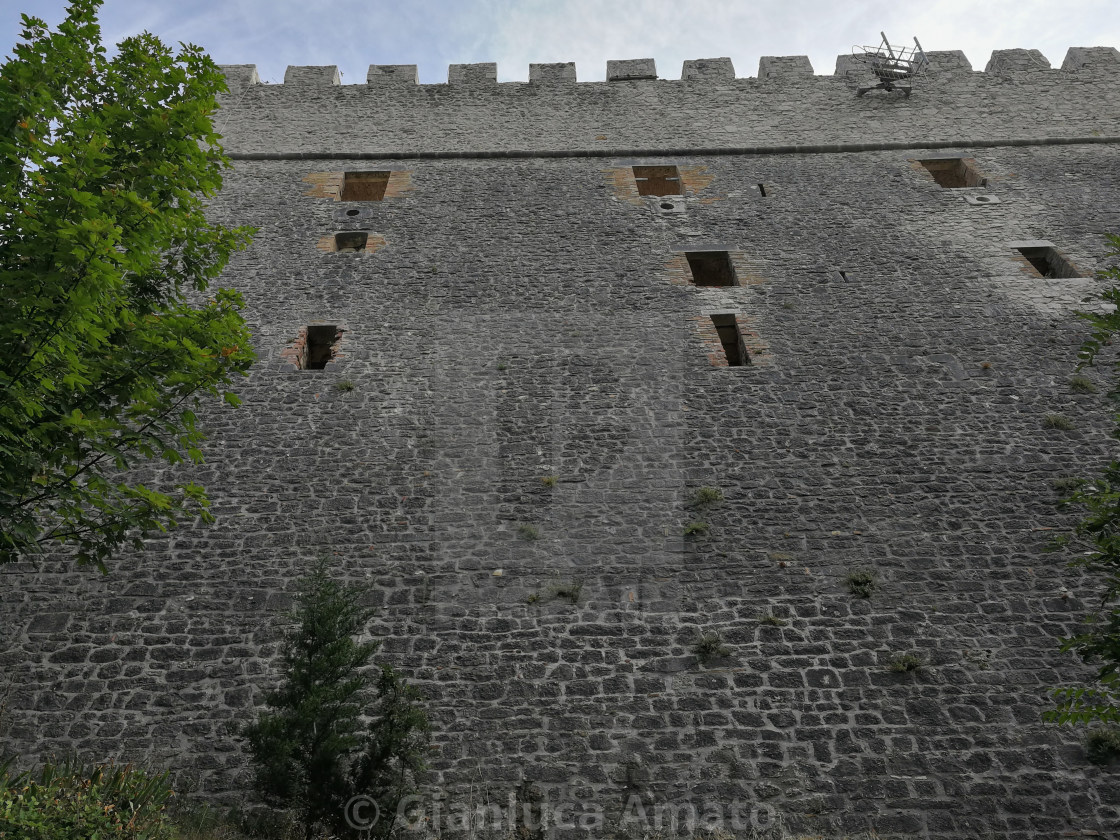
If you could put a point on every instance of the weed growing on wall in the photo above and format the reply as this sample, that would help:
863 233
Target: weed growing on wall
1097 540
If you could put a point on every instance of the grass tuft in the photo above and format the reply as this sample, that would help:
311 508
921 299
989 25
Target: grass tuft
1103 746
710 646
706 496
861 583
1057 421
1082 385
905 663
1066 484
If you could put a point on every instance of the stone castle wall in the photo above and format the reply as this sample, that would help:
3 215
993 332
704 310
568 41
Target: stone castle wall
539 393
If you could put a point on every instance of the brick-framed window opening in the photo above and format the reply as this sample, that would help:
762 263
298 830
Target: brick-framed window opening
658 180
954 173
1048 262
351 241
711 268
727 327
319 347
363 186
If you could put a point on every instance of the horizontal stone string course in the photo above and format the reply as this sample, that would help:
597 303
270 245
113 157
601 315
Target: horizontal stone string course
770 68
813 149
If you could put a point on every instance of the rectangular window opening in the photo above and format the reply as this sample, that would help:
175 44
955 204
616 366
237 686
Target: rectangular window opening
731 339
351 241
711 268
1048 262
363 186
658 180
953 173
762 190
320 346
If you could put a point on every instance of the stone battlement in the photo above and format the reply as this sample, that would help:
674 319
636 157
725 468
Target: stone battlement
1018 99
770 68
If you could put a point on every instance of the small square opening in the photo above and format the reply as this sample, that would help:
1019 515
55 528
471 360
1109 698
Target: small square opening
658 180
711 268
319 347
351 241
363 186
953 173
1048 262
731 339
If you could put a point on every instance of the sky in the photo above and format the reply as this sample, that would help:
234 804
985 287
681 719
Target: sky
435 33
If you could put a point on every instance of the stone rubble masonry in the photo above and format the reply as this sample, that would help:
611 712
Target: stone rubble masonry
523 356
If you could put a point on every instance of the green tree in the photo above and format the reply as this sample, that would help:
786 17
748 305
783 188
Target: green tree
1097 538
339 726
108 338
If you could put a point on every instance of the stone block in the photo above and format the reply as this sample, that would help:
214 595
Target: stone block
473 75
848 65
1004 62
1092 58
784 67
392 75
312 75
239 76
631 69
563 73
948 61
708 69
49 623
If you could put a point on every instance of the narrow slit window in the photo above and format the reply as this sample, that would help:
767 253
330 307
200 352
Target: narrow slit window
953 173
658 180
762 190
732 340
711 268
363 186
320 347
1048 262
351 241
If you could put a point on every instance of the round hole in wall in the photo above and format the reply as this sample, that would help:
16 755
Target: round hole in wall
665 205
982 199
351 212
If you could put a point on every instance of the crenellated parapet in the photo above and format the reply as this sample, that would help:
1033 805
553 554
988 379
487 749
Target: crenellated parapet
1001 63
786 107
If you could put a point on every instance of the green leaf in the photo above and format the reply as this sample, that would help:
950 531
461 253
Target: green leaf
104 359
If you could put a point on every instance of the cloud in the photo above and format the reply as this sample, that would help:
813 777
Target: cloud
590 32
434 33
